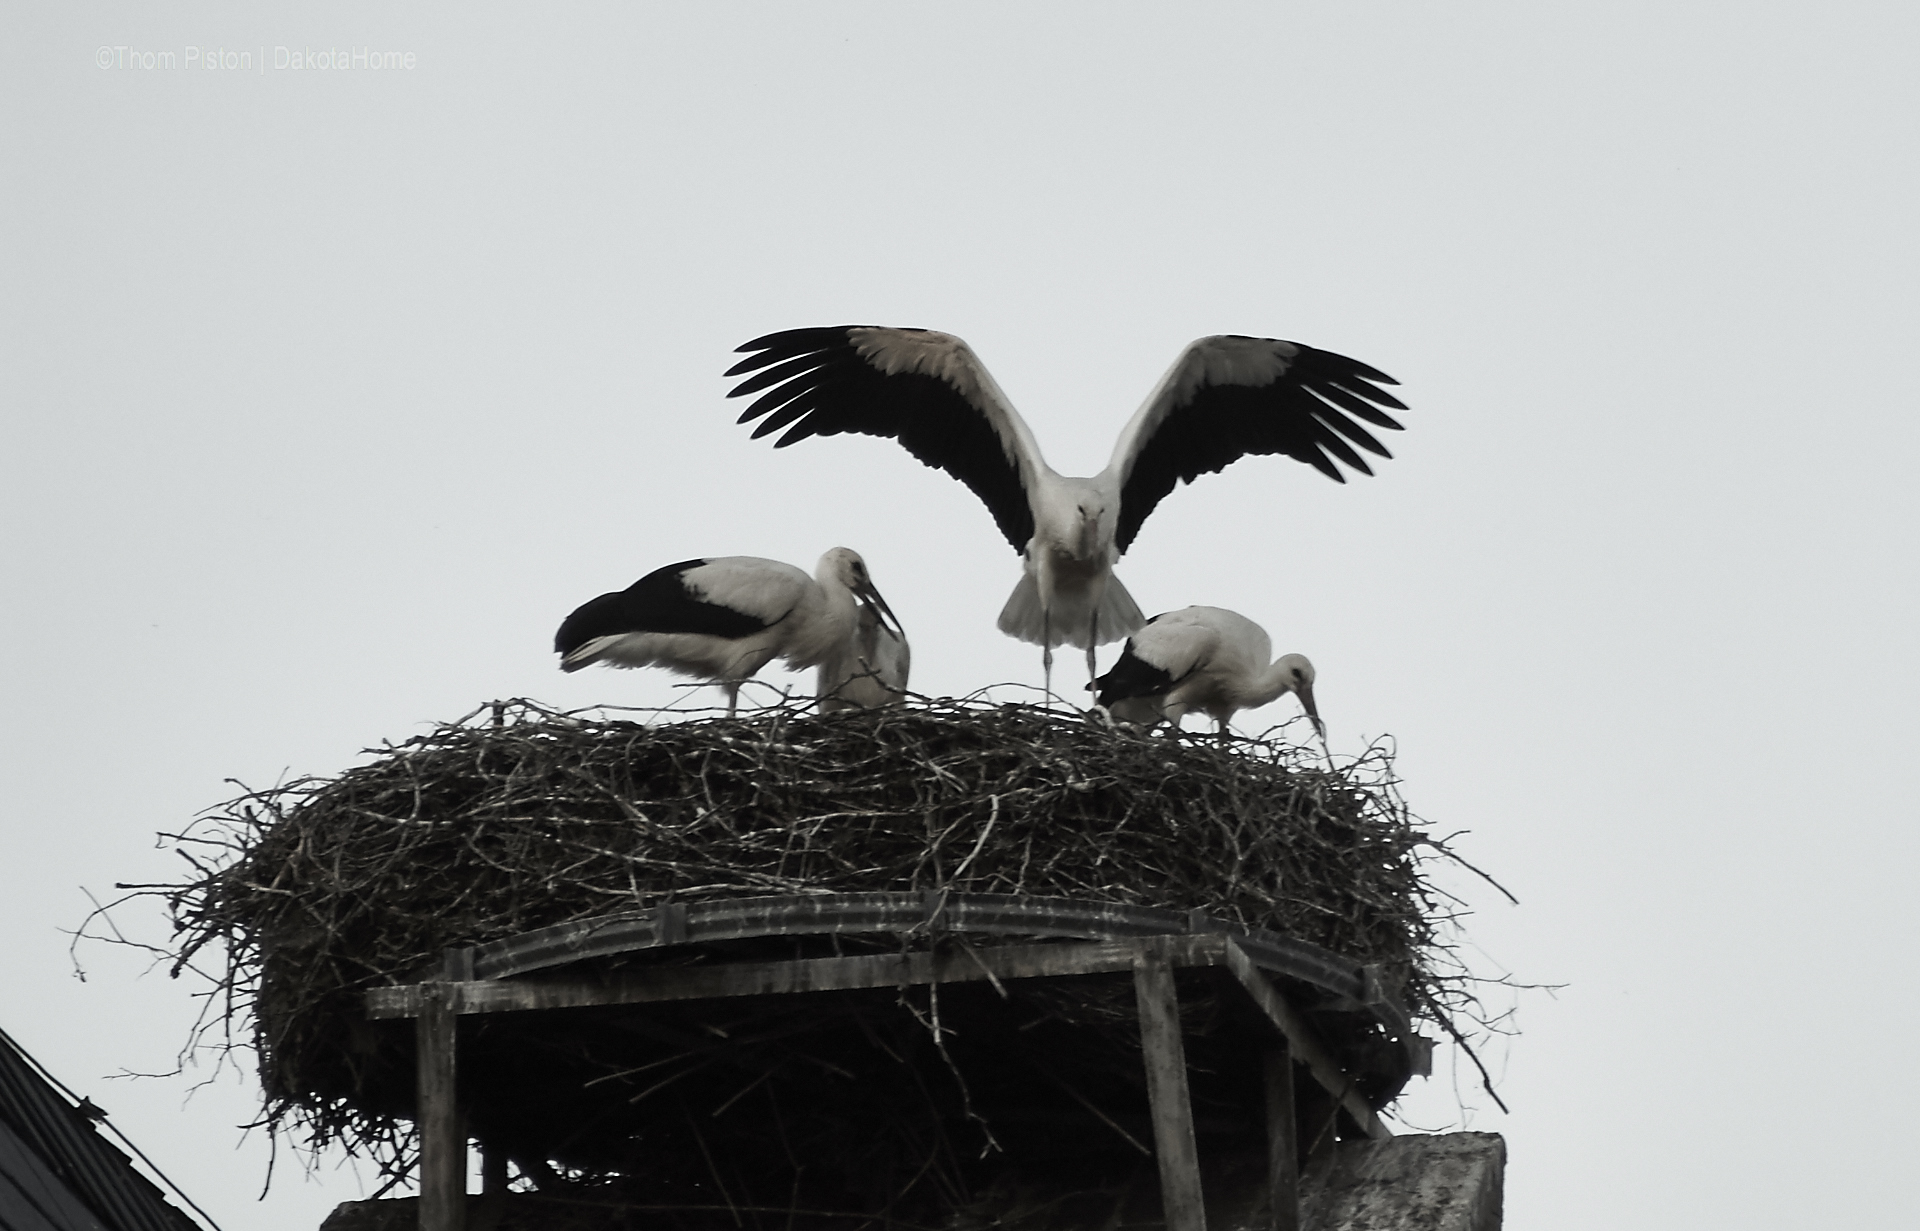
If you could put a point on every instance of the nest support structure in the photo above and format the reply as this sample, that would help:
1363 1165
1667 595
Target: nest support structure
1055 1058
866 968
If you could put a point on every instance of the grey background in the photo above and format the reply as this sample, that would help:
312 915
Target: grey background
326 394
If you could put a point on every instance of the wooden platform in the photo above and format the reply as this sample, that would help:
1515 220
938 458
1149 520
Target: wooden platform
944 939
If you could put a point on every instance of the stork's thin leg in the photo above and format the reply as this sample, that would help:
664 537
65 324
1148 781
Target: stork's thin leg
1093 639
1046 653
733 697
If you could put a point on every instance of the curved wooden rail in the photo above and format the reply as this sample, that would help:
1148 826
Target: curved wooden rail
995 914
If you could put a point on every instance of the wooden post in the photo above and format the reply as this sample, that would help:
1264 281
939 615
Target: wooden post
1166 1060
1283 1141
443 1148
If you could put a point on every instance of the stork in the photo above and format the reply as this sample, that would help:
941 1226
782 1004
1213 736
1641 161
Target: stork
725 618
868 670
1207 659
1226 397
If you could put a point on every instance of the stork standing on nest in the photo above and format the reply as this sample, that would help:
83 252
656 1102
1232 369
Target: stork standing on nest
1226 397
723 619
1207 659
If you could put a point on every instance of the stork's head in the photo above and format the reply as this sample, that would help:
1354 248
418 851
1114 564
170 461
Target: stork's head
1088 542
1093 521
1298 673
843 567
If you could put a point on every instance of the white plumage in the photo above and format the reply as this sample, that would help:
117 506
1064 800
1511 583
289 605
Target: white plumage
868 670
1207 659
723 619
1225 398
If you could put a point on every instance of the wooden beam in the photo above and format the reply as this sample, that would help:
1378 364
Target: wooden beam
443 1147
1166 1060
1283 1142
1301 1039
825 974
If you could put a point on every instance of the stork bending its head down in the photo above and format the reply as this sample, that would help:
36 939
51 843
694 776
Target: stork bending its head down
1207 659
1226 397
723 619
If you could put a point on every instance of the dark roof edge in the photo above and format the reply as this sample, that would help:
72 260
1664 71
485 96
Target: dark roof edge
60 1128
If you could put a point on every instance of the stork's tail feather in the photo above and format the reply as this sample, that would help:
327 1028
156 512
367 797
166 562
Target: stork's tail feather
1119 615
1022 618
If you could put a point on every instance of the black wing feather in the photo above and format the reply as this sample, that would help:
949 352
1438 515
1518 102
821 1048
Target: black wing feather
1325 437
1303 414
1360 436
799 406
657 603
1133 676
784 344
774 375
1348 401
824 387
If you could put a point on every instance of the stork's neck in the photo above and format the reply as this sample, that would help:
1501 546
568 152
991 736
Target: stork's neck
1270 683
840 600
823 619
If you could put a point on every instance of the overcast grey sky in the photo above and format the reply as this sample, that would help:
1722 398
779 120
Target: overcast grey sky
327 393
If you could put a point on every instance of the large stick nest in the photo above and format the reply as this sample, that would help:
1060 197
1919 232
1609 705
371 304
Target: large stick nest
519 817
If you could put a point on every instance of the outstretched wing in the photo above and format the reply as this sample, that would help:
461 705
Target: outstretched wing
926 390
1229 396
